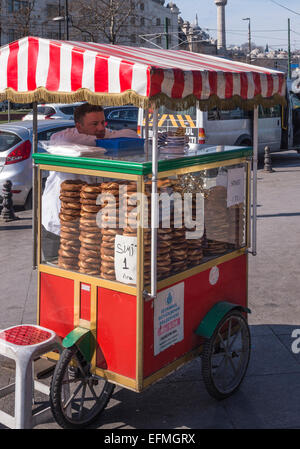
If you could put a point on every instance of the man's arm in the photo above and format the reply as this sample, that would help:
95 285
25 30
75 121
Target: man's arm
121 133
71 135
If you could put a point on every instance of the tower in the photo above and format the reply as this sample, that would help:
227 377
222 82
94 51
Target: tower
221 38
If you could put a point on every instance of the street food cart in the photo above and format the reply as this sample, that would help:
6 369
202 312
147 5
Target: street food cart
151 267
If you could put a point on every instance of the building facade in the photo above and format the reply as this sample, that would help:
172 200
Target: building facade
193 38
153 23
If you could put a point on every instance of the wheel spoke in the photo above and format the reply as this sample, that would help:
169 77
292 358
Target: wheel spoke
80 366
229 333
235 337
73 395
82 401
224 345
93 391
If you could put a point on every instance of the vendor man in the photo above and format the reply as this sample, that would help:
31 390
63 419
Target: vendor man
89 126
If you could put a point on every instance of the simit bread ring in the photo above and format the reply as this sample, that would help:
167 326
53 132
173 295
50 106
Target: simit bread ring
90 241
90 252
108 276
70 248
76 205
89 195
72 184
92 229
91 215
91 188
107 258
68 260
68 211
107 245
88 246
67 235
68 254
83 264
73 232
65 217
92 235
69 199
71 194
89 259
90 208
108 238
110 185
89 201
113 231
89 271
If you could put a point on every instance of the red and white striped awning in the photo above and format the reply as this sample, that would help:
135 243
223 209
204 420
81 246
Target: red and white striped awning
36 69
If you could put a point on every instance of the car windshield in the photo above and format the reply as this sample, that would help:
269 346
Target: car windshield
68 110
8 140
45 110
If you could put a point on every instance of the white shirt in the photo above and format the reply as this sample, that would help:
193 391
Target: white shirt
50 201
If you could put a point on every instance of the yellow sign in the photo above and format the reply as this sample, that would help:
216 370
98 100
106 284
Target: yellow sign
172 120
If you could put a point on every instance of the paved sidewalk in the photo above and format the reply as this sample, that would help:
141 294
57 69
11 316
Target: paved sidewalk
269 395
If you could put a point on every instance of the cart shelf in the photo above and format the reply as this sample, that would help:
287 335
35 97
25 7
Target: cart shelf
133 162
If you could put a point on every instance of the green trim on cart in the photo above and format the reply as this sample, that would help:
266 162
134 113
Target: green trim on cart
214 315
139 168
84 340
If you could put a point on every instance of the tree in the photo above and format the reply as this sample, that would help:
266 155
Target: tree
103 19
21 18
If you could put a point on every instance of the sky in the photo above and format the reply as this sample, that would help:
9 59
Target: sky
268 20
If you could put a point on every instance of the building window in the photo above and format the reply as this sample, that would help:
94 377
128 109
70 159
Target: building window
13 35
142 6
17 5
158 23
133 38
142 21
132 20
52 10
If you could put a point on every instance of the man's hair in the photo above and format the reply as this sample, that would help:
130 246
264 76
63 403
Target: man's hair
85 108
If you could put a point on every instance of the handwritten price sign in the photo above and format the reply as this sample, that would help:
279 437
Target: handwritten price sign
235 186
126 259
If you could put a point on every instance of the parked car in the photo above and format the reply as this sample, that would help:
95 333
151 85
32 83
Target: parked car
54 111
16 152
121 117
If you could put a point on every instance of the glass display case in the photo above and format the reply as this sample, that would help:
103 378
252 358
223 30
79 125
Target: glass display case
94 256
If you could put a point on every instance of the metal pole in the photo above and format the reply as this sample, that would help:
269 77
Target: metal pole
289 49
34 188
67 19
154 204
249 38
167 32
59 22
146 112
8 111
254 196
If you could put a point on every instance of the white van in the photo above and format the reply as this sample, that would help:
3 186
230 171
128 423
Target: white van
218 127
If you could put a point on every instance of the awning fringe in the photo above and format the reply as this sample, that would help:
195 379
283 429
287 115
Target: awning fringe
42 95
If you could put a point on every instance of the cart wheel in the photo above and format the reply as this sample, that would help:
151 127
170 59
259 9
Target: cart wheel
226 356
76 396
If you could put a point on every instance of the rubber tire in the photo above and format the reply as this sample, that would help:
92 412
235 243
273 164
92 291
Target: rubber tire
210 385
56 389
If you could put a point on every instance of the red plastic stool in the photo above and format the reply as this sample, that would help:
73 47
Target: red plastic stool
24 344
